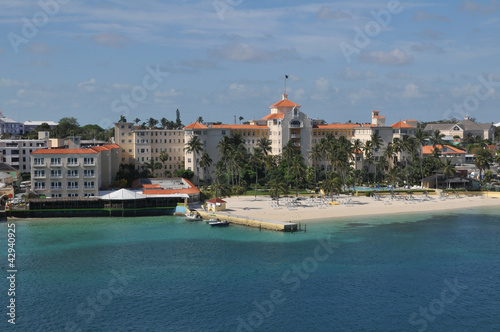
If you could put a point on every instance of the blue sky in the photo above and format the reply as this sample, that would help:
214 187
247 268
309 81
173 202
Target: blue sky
97 60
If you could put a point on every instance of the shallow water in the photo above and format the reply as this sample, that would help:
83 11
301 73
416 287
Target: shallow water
167 274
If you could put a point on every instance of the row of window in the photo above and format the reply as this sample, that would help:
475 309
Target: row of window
57 173
70 185
72 195
69 161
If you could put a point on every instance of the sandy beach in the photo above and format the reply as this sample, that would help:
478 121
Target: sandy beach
307 209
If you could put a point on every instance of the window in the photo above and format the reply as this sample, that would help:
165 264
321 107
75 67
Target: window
72 161
72 173
72 185
55 173
88 173
40 185
89 195
55 195
55 161
88 185
73 195
39 173
56 185
88 161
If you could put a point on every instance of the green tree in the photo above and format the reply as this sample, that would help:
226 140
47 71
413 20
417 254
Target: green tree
66 127
151 166
448 170
298 169
194 146
275 187
205 163
482 160
178 122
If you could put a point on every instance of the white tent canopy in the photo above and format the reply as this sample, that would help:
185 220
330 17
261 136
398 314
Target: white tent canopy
122 194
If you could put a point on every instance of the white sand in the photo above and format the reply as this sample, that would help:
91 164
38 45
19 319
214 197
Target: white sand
261 209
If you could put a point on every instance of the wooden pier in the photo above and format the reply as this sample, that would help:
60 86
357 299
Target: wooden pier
261 224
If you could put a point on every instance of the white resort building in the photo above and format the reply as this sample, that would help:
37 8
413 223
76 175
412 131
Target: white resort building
285 122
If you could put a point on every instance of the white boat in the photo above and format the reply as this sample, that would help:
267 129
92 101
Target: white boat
193 216
219 223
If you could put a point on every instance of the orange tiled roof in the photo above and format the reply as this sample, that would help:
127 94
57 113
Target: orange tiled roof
223 126
273 116
170 191
65 151
379 117
93 150
337 126
149 186
196 125
428 149
401 124
285 103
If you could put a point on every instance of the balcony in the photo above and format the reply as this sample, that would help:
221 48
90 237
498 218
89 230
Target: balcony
39 164
296 144
56 176
39 176
89 164
55 188
73 164
88 187
40 188
89 176
72 176
72 187
295 136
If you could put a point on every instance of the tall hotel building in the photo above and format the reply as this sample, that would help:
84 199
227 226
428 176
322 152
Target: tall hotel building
285 122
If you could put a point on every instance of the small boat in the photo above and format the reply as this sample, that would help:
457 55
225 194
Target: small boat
193 216
208 221
219 223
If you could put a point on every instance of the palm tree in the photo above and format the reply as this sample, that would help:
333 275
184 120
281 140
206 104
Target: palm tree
377 143
275 187
482 160
448 169
194 146
420 137
392 177
151 166
357 148
137 120
298 168
164 123
256 160
205 162
164 157
315 154
152 123
264 145
331 184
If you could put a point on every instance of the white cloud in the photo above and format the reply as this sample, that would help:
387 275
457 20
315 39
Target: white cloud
38 48
88 86
7 83
350 74
479 8
167 93
425 16
244 52
334 14
322 85
237 87
424 47
412 91
363 93
110 39
395 57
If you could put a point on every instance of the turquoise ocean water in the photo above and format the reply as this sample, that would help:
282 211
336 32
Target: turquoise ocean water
427 272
